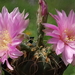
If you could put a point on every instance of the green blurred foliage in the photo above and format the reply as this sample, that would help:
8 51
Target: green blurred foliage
30 7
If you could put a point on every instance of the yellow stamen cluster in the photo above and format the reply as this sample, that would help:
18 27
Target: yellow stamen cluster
4 40
72 38
69 37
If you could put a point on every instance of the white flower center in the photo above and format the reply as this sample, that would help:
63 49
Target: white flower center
4 40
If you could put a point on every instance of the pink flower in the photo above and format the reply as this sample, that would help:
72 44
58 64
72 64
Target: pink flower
11 27
63 35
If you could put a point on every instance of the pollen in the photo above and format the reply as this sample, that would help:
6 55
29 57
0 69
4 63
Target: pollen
65 30
4 40
70 36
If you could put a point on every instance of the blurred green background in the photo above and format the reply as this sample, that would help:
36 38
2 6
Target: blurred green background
31 6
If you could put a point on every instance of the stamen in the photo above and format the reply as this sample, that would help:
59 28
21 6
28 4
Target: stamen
4 40
69 37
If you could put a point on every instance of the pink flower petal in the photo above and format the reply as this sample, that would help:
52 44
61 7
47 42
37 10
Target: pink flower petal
25 25
59 13
64 59
69 54
4 58
2 52
52 33
64 14
14 52
60 47
56 32
14 12
54 16
4 10
16 42
50 26
71 17
9 66
71 44
53 41
26 15
60 44
59 51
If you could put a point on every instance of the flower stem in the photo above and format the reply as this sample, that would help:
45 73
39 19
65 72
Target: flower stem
42 15
0 69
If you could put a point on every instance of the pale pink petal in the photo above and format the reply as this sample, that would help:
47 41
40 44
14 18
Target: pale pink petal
50 26
17 27
16 42
1 22
53 41
59 13
71 17
60 47
12 56
71 44
25 25
4 58
56 32
69 54
64 59
26 15
2 52
4 17
14 52
4 11
64 14
9 66
60 44
53 35
14 12
59 51
54 16
50 32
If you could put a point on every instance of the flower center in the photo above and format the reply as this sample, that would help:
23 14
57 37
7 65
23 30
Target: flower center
70 39
4 40
69 36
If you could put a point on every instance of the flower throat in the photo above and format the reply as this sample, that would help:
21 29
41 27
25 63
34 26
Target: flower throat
4 40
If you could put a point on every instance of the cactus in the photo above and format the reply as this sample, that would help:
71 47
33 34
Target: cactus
37 59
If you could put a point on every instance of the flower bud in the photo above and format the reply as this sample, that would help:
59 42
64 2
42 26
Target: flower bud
43 6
